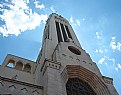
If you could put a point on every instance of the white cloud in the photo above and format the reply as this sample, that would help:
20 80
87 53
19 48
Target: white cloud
115 45
101 61
20 18
110 59
98 35
99 51
102 51
78 22
71 19
52 9
74 22
1 5
118 67
113 38
27 1
39 6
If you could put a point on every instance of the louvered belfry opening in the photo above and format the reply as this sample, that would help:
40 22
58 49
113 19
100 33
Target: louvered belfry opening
63 32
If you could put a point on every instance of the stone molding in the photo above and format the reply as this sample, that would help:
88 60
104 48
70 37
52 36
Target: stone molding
51 64
77 71
20 82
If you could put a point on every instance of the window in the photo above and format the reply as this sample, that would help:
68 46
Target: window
68 32
74 50
64 32
27 68
46 33
11 63
19 66
58 32
76 86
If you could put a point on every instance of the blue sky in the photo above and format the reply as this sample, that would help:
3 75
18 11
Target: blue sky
97 24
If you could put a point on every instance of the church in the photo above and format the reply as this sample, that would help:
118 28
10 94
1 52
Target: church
61 68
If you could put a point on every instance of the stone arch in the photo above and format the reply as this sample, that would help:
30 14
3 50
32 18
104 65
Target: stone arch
27 68
95 82
11 63
19 65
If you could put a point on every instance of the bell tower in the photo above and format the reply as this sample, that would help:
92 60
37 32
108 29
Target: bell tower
57 30
64 68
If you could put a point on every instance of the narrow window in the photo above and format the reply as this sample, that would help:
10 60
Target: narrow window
68 32
64 32
46 33
58 32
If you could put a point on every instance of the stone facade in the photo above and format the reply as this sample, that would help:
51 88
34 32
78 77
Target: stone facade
60 64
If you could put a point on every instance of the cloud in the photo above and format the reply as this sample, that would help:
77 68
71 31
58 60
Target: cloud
118 67
20 18
71 19
1 5
99 51
38 5
98 35
101 61
52 9
105 59
115 45
101 47
110 59
74 22
78 22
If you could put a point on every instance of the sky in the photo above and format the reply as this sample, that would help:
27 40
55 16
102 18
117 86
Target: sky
97 24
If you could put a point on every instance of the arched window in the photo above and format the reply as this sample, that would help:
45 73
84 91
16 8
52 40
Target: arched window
19 66
27 68
76 86
11 63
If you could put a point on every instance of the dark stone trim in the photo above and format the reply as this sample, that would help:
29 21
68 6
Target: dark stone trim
21 83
